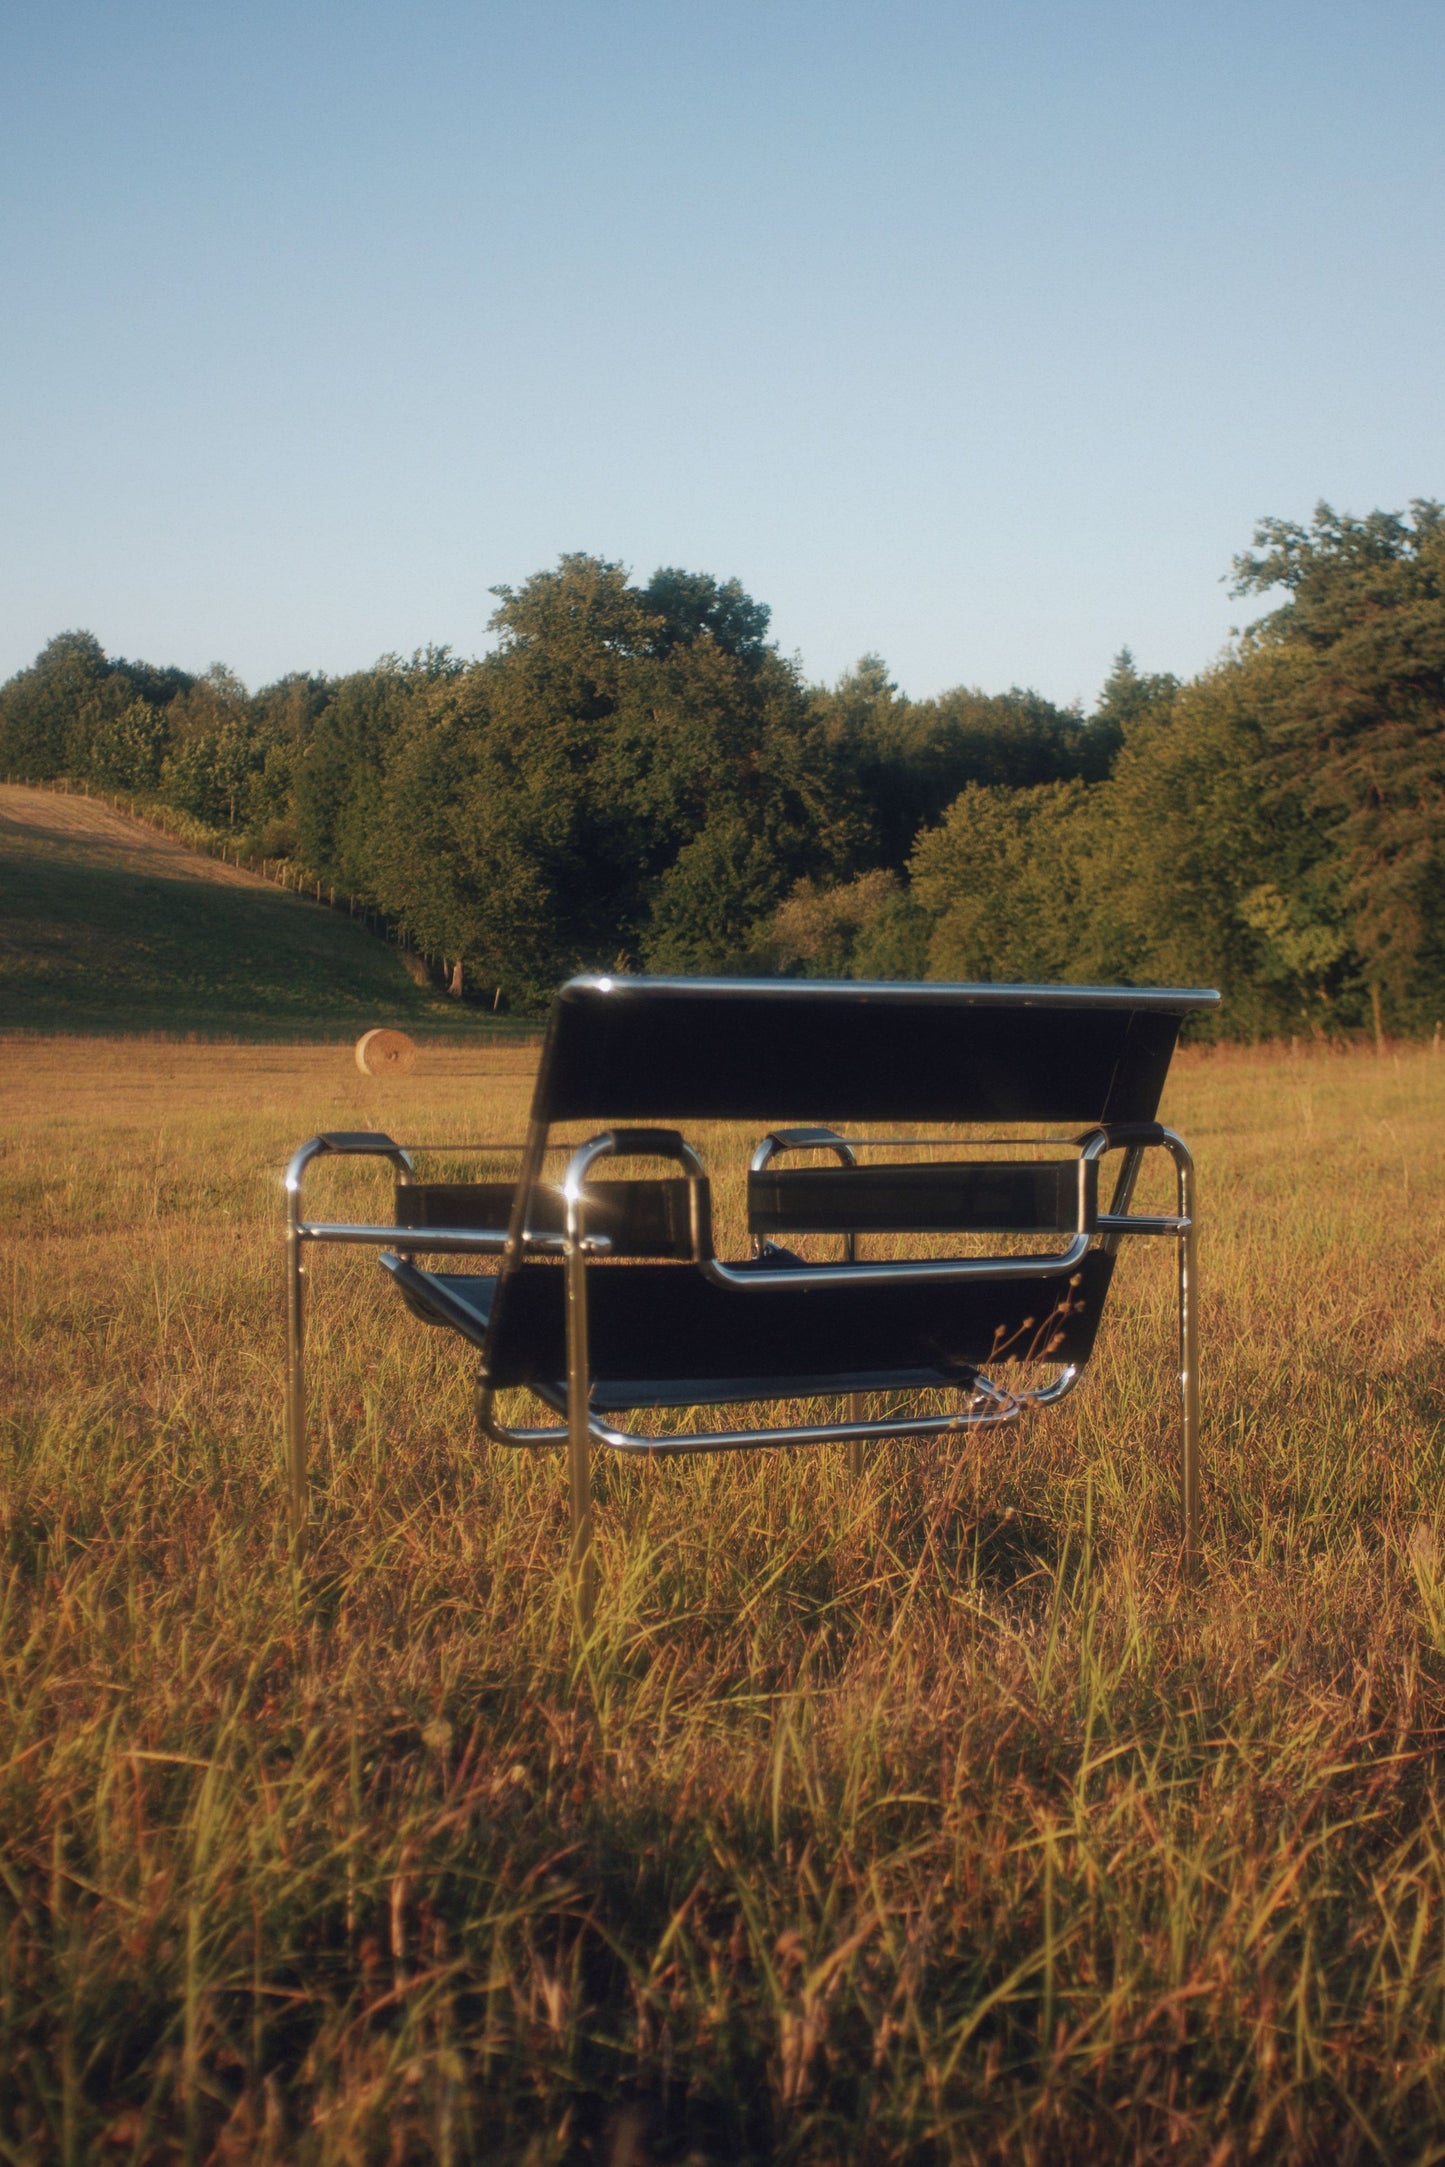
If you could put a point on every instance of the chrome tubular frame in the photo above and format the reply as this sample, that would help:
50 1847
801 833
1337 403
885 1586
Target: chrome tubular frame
300 1232
989 1406
916 1270
1001 1406
297 1233
584 1429
1188 1238
788 1140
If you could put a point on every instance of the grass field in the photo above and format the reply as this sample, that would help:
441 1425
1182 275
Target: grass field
108 925
928 1819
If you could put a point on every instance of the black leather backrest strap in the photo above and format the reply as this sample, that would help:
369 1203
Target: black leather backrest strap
679 1050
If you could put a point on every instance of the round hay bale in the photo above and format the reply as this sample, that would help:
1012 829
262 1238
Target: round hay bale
385 1053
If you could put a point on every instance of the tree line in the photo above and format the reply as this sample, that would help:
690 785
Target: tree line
635 777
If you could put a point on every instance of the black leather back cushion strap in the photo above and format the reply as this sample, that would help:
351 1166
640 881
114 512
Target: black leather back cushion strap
644 1049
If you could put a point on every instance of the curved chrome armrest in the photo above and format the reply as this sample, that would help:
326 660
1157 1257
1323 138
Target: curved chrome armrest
452 1241
904 1270
345 1143
778 1140
634 1144
1134 1138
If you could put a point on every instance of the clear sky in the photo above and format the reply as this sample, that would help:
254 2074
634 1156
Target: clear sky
978 336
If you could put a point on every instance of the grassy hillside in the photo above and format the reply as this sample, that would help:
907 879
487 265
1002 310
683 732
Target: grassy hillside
107 926
927 1818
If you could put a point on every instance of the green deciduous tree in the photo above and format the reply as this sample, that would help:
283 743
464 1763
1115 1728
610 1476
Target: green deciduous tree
1129 697
127 751
869 927
1186 842
903 762
1361 744
49 712
1004 881
636 776
340 756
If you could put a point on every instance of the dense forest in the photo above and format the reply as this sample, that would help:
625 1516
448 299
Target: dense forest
635 776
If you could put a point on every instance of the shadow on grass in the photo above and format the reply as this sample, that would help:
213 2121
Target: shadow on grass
96 948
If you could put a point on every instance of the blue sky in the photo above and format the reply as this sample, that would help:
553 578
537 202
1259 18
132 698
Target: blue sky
978 337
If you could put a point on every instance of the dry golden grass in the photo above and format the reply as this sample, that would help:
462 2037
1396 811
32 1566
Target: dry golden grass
933 1819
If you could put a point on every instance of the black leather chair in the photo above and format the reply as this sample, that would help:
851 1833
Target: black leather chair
606 1296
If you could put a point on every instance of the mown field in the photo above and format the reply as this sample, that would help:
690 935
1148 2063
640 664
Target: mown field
929 1818
108 925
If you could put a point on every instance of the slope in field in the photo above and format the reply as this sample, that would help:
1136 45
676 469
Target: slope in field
108 926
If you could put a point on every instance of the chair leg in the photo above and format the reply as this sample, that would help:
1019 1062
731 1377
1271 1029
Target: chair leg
295 1411
855 1446
582 1563
1189 1470
855 1399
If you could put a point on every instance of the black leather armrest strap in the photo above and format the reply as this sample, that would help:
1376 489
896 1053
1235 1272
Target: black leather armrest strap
647 1143
1123 1134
